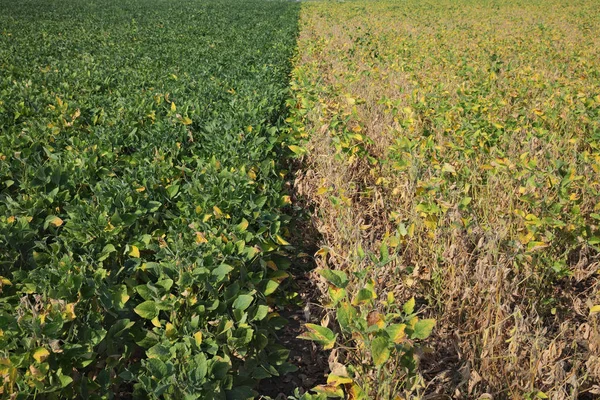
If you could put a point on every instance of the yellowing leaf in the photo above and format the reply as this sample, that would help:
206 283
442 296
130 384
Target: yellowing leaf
356 393
297 149
186 121
335 380
397 332
449 168
170 330
173 106
242 226
330 391
379 350
409 306
54 220
40 354
595 309
319 334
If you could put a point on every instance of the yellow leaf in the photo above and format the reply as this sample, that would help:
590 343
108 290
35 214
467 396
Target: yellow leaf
135 252
217 211
70 311
281 240
198 338
41 354
525 238
323 251
156 322
272 265
173 106
186 121
200 238
321 191
140 189
595 309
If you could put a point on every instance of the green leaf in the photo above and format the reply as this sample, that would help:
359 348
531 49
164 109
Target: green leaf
106 251
336 278
346 313
270 287
423 328
65 380
157 368
261 313
172 190
221 271
384 253
120 296
201 367
242 302
241 393
147 310
158 351
380 350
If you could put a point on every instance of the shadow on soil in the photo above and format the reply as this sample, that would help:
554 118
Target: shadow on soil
312 362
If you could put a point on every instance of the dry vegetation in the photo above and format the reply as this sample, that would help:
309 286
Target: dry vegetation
463 140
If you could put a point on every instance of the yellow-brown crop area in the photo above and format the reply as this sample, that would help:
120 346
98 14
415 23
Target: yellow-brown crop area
453 155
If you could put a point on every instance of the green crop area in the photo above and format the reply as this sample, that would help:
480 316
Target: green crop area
141 196
167 166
